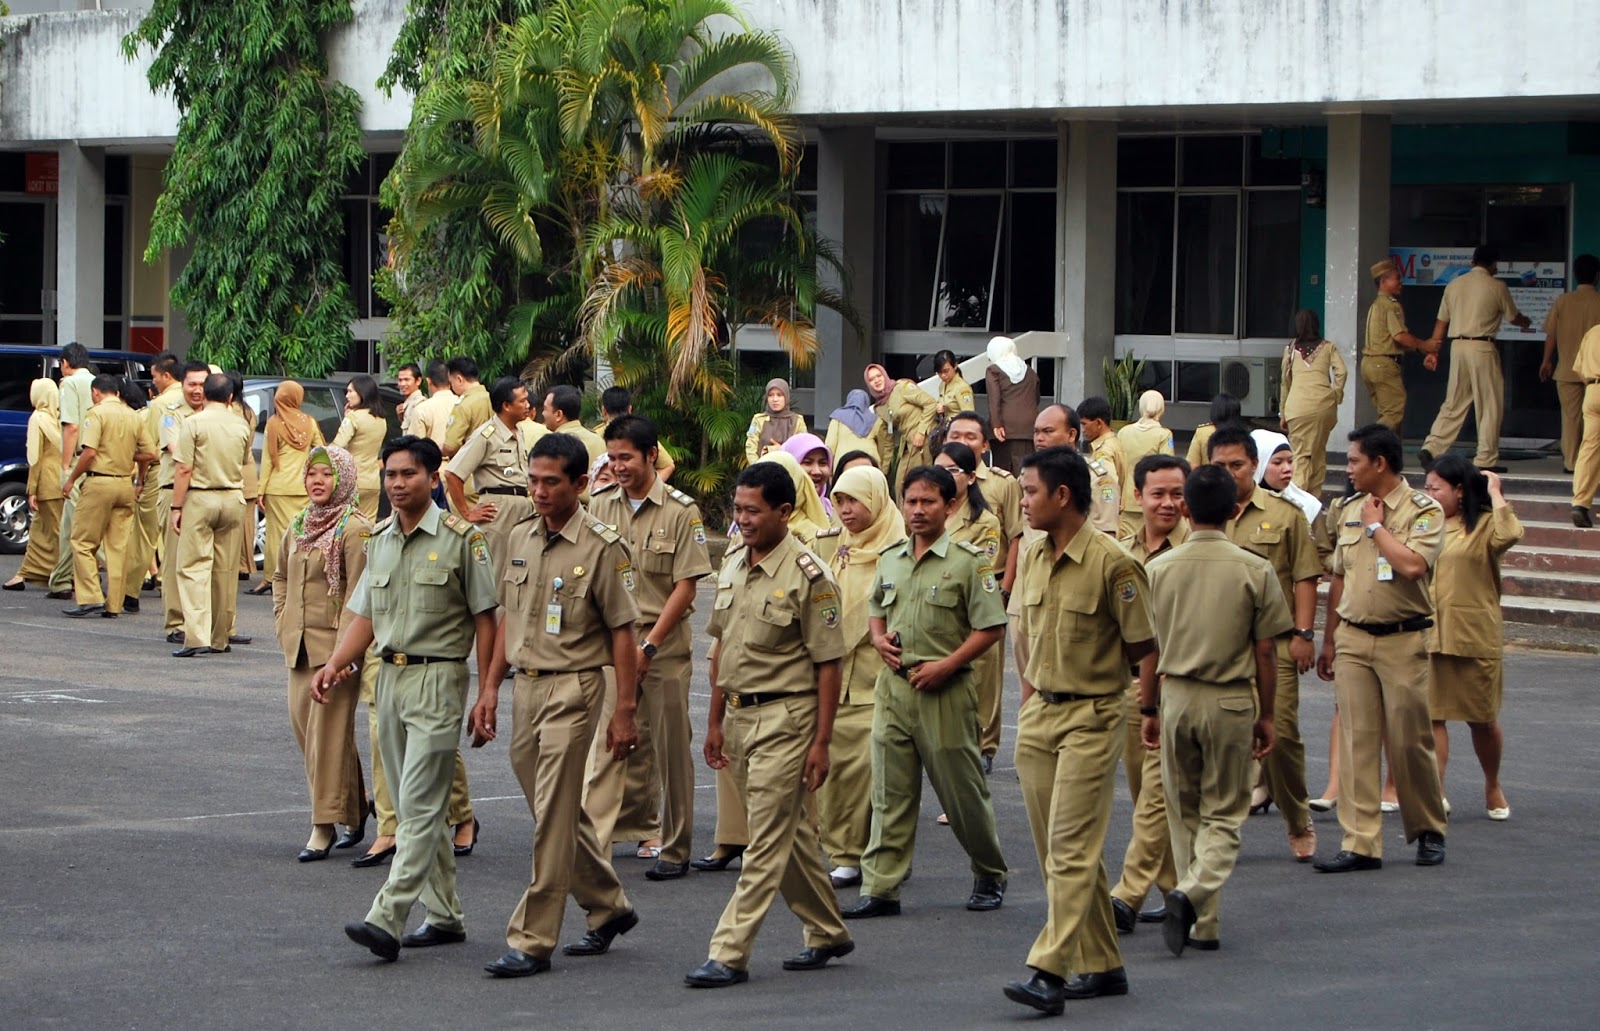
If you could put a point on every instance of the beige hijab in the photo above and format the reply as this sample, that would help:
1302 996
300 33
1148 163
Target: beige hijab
856 563
46 398
809 516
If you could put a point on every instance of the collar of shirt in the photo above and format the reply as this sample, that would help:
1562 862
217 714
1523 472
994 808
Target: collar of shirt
1392 500
1256 500
568 531
1207 535
81 374
428 524
939 548
656 495
1075 547
770 565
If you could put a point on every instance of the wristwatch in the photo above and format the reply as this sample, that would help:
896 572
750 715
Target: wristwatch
1149 710
1373 528
1308 633
648 649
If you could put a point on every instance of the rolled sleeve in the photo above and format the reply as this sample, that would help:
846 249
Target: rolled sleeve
361 598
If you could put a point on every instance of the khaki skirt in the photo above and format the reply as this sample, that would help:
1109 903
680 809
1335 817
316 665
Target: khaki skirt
1464 688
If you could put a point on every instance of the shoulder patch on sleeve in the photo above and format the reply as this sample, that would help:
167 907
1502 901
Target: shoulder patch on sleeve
1126 586
679 496
383 525
1421 500
479 546
1098 466
808 565
487 431
972 549
1000 471
606 490
832 531
605 532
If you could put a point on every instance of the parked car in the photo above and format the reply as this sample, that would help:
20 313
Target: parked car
20 365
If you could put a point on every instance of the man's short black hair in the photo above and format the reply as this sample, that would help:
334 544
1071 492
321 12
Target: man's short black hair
462 366
438 373
190 368
940 477
1154 464
1062 466
1586 269
1210 493
423 449
75 355
616 400
219 388
1485 254
1378 441
771 479
636 430
503 392
104 384
1095 407
574 457
566 399
1232 436
411 367
132 394
167 364
983 424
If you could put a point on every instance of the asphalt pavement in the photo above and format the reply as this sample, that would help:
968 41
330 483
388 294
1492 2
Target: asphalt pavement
151 809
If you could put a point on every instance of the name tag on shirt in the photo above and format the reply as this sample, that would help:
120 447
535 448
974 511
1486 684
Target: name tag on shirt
1385 570
552 619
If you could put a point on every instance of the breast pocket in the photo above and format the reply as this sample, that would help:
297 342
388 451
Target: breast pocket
772 628
576 612
382 599
944 597
432 587
514 589
1265 540
1079 616
657 556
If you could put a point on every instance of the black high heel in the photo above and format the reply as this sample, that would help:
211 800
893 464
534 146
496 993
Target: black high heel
1262 808
466 850
716 862
374 858
311 855
352 837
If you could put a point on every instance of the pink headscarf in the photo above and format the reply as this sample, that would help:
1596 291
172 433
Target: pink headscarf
888 382
321 527
801 445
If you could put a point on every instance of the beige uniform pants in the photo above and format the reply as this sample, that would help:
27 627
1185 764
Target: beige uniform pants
144 540
1285 766
44 541
844 802
1586 473
104 517
1386 383
1308 441
281 510
1571 394
171 603
1148 859
1476 385
990 669
208 570
61 576
327 736
459 809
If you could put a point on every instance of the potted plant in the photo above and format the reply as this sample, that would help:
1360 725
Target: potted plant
1122 387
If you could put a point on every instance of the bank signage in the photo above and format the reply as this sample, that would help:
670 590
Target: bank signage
1534 285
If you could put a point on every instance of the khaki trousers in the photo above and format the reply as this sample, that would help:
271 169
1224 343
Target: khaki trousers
1586 471
1308 442
61 577
1067 762
1386 383
44 543
1148 859
1379 683
639 819
247 538
1205 765
459 810
1571 394
552 721
281 510
513 509
208 570
844 802
1478 385
104 518
171 603
766 748
990 669
144 540
327 736
935 731
368 503
732 826
1285 766
419 722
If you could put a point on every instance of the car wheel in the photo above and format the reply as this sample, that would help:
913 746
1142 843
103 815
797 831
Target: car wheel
15 518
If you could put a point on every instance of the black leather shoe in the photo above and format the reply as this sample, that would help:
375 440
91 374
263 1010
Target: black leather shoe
1124 915
130 604
175 637
1581 517
815 958
466 850
987 894
1046 993
58 595
868 906
79 611
374 858
189 653
712 974
1425 459
353 835
1346 862
1153 915
108 614
598 940
20 585
665 871
1430 848
1203 944
239 639
1091 986
516 963
311 855
714 862
380 942
1180 917
428 936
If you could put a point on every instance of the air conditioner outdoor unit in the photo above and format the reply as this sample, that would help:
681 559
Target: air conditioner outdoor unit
1254 382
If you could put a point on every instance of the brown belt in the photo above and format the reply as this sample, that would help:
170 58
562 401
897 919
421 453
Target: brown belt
1592 380
1058 697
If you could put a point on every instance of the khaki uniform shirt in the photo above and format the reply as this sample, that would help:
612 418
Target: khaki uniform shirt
1003 492
564 592
117 433
1413 517
1276 530
471 411
154 415
1587 363
1078 610
172 412
1210 601
774 621
433 415
422 591
215 444
1474 304
76 398
1105 490
408 412
935 603
592 441
1137 547
308 629
1466 585
1385 321
362 434
1572 316
956 396
492 457
1314 386
1108 449
982 533
666 537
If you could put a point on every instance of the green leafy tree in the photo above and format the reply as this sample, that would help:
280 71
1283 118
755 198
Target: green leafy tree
266 142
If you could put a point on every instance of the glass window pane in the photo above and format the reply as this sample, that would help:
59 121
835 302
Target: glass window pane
116 338
22 331
1272 263
1212 160
118 175
17 373
115 259
806 177
1146 161
978 164
1033 163
916 166
1031 263
1528 223
360 182
1198 381
1435 216
13 174
911 252
1144 263
357 272
1156 376
382 165
966 276
1208 247
378 232
360 357
1271 171
21 286
908 366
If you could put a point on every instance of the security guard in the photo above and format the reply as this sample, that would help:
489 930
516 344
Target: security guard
775 673
1387 339
667 538
935 608
149 525
494 460
114 442
1586 472
425 600
1084 612
570 611
473 407
208 516
1387 537
173 412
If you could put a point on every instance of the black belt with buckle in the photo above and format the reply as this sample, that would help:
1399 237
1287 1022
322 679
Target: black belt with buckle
91 472
1487 340
537 673
1406 626
904 672
1058 697
511 491
216 488
404 659
750 699
1391 357
1592 380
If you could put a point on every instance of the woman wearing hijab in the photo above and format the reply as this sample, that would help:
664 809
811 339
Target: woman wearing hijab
872 524
907 410
1275 471
809 517
1013 390
856 427
291 434
44 486
320 559
773 425
817 460
362 433
1314 374
1138 439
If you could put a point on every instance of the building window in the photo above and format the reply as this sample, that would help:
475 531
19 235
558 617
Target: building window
366 234
969 235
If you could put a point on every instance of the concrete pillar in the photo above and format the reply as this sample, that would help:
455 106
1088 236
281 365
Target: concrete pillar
847 173
81 246
1358 236
1086 248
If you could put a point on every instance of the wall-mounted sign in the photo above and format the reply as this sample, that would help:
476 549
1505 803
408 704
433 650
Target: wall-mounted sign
42 172
1534 285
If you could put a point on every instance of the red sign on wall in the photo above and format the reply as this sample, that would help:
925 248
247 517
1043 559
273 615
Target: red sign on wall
43 173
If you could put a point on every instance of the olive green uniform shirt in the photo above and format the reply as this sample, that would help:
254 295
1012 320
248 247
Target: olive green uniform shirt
935 602
1374 593
422 591
775 620
1210 601
564 592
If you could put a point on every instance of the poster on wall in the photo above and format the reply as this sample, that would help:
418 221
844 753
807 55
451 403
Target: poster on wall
1534 285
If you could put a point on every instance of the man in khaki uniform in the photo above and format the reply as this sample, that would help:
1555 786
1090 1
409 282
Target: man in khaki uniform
615 402
1586 471
1201 690
1158 482
1094 414
149 520
1571 316
192 399
668 541
563 405
1387 340
1387 537
409 379
1277 530
1058 426
431 417
494 461
569 612
425 601
1471 310
114 443
1084 612
473 407
208 516
76 401
775 676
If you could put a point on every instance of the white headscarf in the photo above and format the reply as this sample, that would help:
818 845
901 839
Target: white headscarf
1002 351
1268 444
